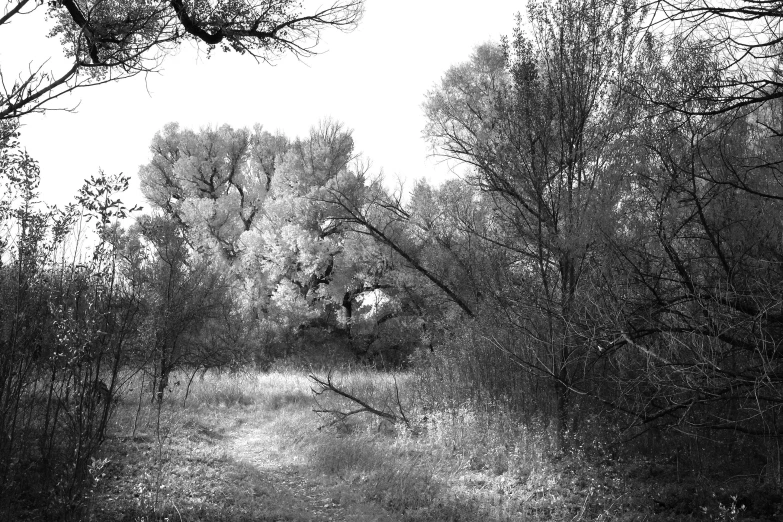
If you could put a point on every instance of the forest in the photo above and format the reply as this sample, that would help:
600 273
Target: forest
585 325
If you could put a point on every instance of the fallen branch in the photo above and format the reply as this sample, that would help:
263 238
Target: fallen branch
328 385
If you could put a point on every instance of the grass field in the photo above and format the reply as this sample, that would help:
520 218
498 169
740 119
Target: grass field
248 446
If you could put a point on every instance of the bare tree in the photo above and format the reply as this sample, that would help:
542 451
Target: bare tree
744 40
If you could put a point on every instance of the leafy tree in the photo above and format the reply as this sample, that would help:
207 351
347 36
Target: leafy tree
214 182
541 120
254 199
624 257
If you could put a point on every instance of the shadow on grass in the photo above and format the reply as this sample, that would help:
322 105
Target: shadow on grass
199 487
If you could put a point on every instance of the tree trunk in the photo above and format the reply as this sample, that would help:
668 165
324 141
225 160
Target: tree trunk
163 379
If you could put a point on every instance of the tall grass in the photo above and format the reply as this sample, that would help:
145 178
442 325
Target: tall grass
462 462
453 463
427 472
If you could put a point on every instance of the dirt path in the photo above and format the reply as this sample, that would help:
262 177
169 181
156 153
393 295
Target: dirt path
221 468
301 497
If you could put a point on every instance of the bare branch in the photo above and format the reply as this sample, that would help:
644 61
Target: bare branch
328 385
109 40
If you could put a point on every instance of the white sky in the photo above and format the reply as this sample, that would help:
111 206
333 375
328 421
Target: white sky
373 80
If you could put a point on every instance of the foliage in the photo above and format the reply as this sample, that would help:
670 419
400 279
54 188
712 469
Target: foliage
630 262
541 120
253 205
64 324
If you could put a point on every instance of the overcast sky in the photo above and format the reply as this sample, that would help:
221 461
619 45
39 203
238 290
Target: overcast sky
373 80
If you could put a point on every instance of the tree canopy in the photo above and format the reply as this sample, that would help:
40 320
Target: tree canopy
106 40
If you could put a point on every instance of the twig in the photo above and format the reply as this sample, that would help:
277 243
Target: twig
178 513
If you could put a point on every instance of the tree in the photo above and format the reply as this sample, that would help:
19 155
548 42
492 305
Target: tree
66 319
742 40
214 183
107 40
691 281
368 208
183 296
540 120
250 200
316 270
635 252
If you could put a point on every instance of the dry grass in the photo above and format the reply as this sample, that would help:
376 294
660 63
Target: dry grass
248 447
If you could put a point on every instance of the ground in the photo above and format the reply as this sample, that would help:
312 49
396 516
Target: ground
298 495
231 457
252 448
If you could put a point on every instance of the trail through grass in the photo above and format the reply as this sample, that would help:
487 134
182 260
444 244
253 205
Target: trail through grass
235 451
248 447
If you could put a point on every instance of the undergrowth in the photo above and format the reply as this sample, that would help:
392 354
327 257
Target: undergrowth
462 463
